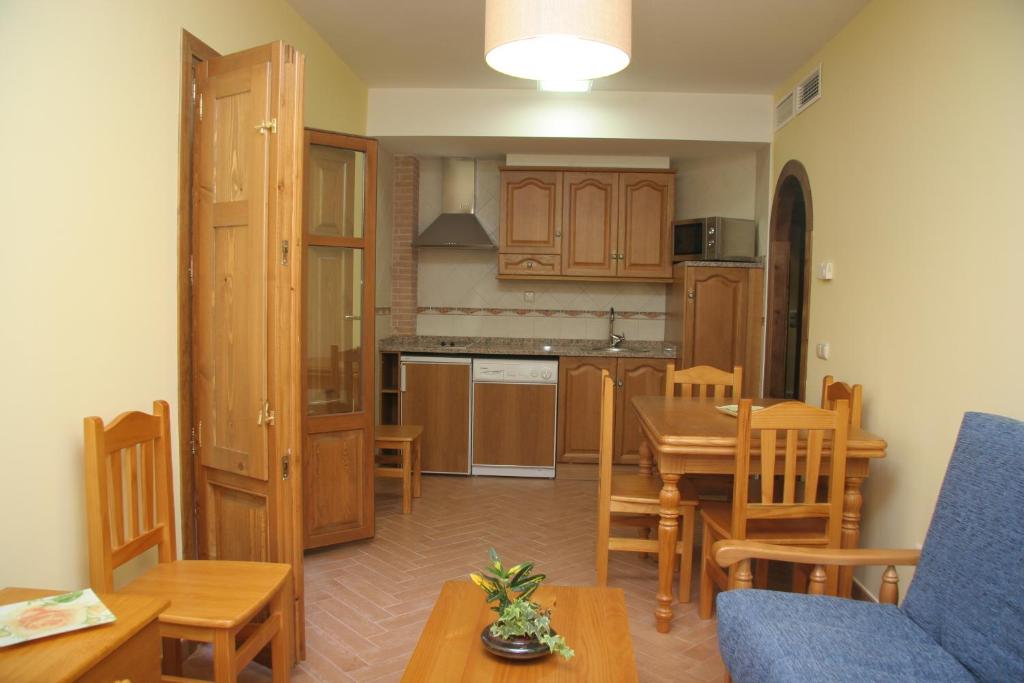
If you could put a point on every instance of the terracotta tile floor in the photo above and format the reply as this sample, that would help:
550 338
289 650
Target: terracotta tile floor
367 601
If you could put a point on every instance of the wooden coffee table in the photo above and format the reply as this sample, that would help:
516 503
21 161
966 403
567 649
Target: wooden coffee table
593 621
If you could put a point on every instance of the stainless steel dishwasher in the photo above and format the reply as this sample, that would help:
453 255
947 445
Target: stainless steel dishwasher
514 417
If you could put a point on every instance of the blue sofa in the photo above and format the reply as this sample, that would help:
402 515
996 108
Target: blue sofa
962 618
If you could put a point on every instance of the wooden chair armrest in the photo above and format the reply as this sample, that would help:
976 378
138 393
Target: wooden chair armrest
727 553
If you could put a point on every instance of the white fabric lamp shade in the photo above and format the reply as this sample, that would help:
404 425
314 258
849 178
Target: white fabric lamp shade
558 39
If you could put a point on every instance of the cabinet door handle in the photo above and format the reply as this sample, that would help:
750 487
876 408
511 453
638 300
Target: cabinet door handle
620 383
529 264
691 295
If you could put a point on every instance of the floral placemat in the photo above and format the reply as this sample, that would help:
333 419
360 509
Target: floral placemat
31 619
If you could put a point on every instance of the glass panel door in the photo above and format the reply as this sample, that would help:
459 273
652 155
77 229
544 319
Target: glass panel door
338 309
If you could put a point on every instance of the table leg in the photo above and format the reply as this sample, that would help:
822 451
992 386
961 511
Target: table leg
668 529
852 501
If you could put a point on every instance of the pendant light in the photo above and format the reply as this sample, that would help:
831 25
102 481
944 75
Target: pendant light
569 40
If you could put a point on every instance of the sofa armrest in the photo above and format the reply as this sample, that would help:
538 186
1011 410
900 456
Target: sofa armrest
728 553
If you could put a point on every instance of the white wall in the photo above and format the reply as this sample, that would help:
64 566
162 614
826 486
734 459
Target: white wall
719 186
914 156
529 113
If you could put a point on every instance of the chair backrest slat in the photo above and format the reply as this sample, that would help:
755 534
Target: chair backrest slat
789 471
148 484
790 422
768 445
704 381
128 490
133 488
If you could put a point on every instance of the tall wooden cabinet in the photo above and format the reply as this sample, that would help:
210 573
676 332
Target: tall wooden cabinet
579 404
715 316
586 224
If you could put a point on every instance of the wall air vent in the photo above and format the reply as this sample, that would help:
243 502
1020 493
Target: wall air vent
784 111
809 90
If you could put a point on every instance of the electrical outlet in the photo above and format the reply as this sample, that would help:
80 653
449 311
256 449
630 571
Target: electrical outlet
825 270
824 350
528 297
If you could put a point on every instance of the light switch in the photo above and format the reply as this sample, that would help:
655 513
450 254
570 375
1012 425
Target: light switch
825 270
824 351
528 297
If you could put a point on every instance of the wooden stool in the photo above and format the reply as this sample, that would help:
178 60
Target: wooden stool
404 438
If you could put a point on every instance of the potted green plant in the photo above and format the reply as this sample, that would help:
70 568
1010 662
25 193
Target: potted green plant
523 628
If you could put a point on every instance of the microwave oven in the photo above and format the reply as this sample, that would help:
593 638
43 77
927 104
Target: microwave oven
714 239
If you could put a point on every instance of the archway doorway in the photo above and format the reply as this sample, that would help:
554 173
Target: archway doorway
789 280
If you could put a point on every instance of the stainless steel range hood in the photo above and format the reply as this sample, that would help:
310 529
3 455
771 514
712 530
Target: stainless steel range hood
456 227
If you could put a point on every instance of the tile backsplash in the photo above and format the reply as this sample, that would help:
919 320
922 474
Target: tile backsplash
459 293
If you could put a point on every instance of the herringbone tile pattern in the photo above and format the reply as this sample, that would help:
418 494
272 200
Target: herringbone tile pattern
367 602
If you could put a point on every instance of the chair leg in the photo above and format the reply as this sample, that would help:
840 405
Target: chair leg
281 651
172 657
603 531
704 609
417 468
406 478
686 557
224 657
645 533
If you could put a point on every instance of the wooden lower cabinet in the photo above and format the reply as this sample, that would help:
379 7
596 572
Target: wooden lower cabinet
635 377
436 396
715 316
579 404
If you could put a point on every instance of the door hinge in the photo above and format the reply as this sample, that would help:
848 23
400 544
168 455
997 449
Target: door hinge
200 106
285 464
192 442
199 435
264 126
284 252
191 270
266 415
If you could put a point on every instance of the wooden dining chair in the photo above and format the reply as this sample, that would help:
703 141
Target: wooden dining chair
632 500
130 509
704 380
833 392
797 515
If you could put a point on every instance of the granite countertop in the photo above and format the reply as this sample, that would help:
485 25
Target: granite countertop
518 346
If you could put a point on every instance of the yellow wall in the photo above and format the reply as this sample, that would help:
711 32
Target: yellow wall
88 164
914 154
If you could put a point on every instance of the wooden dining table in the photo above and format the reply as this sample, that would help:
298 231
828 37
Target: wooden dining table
691 436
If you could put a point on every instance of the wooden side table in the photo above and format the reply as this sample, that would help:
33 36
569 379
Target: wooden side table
127 649
404 438
592 620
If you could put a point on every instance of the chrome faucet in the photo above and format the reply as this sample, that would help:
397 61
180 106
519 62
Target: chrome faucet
616 339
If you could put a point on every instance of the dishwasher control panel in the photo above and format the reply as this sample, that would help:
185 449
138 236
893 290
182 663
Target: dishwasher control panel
515 371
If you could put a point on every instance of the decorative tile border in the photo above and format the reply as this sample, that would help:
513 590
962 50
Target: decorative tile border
537 313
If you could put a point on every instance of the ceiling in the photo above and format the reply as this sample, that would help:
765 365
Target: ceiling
713 46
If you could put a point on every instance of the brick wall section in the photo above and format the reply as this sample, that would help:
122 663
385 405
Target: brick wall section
405 219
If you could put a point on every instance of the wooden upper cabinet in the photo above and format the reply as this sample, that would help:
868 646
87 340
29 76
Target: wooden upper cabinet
646 206
590 218
531 212
600 225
